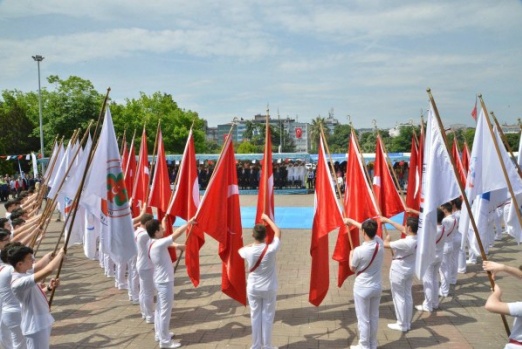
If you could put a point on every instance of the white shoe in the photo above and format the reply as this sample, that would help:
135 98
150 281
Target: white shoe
149 321
171 334
355 346
421 307
170 345
470 262
397 327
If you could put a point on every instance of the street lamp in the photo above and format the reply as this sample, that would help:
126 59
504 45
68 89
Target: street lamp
38 59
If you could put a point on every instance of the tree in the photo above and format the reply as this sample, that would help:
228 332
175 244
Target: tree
338 141
315 131
401 143
148 110
246 148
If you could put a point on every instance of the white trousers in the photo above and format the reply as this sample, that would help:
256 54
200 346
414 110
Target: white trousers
455 258
39 340
133 280
367 302
146 295
262 313
445 272
120 278
402 298
163 312
12 337
430 282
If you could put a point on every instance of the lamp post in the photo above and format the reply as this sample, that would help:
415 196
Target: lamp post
38 59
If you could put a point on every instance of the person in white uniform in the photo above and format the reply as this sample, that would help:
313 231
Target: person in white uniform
430 279
449 225
495 304
145 271
262 282
163 277
366 261
36 317
402 270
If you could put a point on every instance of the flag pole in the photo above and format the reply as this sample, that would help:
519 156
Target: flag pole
338 189
123 140
265 160
465 199
80 189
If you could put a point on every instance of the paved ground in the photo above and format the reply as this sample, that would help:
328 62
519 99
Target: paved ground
91 313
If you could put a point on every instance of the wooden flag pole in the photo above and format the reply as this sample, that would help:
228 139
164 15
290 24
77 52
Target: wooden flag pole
80 189
465 199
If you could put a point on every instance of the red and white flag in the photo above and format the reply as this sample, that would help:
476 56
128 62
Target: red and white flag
184 204
160 191
129 170
105 181
140 191
386 194
414 185
458 162
327 217
219 215
265 196
359 204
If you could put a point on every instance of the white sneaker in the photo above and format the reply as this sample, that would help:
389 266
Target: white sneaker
421 307
170 345
149 320
470 262
397 327
355 346
171 334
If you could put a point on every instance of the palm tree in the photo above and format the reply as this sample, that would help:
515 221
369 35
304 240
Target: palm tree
315 131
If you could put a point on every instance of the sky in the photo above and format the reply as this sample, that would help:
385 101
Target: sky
365 60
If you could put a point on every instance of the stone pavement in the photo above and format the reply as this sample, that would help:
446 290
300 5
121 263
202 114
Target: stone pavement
91 313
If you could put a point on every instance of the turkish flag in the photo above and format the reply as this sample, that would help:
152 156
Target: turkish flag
130 169
327 217
359 205
265 196
142 180
160 191
219 216
386 194
184 204
298 132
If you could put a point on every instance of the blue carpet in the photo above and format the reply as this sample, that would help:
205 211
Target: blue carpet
287 217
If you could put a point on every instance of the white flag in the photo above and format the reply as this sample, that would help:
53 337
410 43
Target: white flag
439 185
105 181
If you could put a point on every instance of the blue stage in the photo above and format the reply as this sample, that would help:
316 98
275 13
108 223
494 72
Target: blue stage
288 217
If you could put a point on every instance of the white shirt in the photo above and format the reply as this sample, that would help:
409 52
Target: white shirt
160 257
264 278
362 255
449 224
35 309
7 298
143 261
439 243
404 255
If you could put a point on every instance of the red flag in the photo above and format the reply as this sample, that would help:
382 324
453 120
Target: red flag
124 157
458 162
359 205
474 111
327 217
160 191
265 196
413 192
184 204
130 169
219 216
141 182
386 193
465 158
